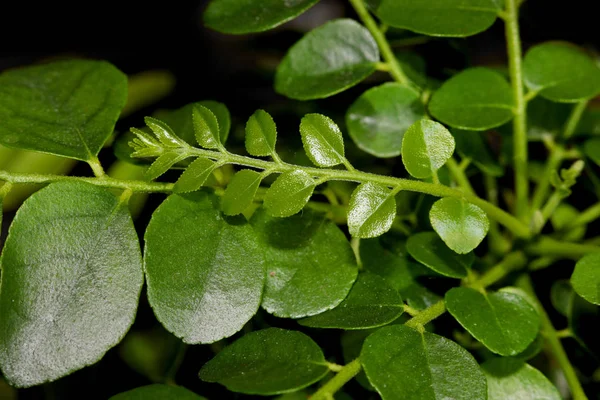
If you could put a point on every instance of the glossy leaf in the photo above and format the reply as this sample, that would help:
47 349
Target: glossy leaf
561 296
474 99
371 210
586 278
378 119
428 249
157 392
322 140
504 322
67 108
267 362
513 379
182 123
562 72
426 147
371 303
439 17
222 114
403 363
199 267
163 132
472 146
328 60
461 225
71 280
206 127
261 134
591 148
289 193
240 191
163 163
311 266
248 16
195 175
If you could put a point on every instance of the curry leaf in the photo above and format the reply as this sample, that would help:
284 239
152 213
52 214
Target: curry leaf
322 140
371 210
195 175
426 147
289 193
428 249
586 278
240 191
261 134
206 127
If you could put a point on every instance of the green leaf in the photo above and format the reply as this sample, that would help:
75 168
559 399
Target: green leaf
403 363
240 191
201 267
472 146
71 280
328 60
289 193
583 324
439 17
248 16
261 134
426 147
352 343
267 362
428 249
311 266
513 379
591 148
158 392
586 278
461 225
67 108
561 296
562 216
322 140
371 210
206 127
561 72
378 119
163 133
181 120
504 322
195 175
371 303
163 163
474 99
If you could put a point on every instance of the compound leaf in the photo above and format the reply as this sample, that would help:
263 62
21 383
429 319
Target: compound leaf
267 362
586 278
240 191
328 60
461 225
504 322
261 134
474 99
403 363
371 210
428 249
199 267
426 147
322 140
157 392
289 193
195 175
311 266
67 108
371 303
71 280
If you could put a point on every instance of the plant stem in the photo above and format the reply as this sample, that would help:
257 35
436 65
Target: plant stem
386 51
513 42
588 215
554 346
427 315
94 163
4 190
574 118
345 374
459 176
543 187
511 262
497 243
551 247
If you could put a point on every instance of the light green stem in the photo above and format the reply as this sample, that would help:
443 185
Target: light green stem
345 374
551 247
386 51
513 42
554 346
588 215
459 176
574 119
511 262
94 163
543 186
497 243
427 315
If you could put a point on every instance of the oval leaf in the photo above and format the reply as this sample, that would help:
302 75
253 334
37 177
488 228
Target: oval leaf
371 303
403 363
163 163
322 140
289 193
428 249
71 280
240 191
200 267
157 392
504 322
513 379
267 362
248 16
328 60
439 17
378 119
67 108
195 175
474 99
586 278
261 134
561 72
426 147
206 127
371 210
461 225
311 266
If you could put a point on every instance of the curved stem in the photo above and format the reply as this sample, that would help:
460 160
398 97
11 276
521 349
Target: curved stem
574 118
344 375
459 175
588 215
427 315
550 247
543 187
